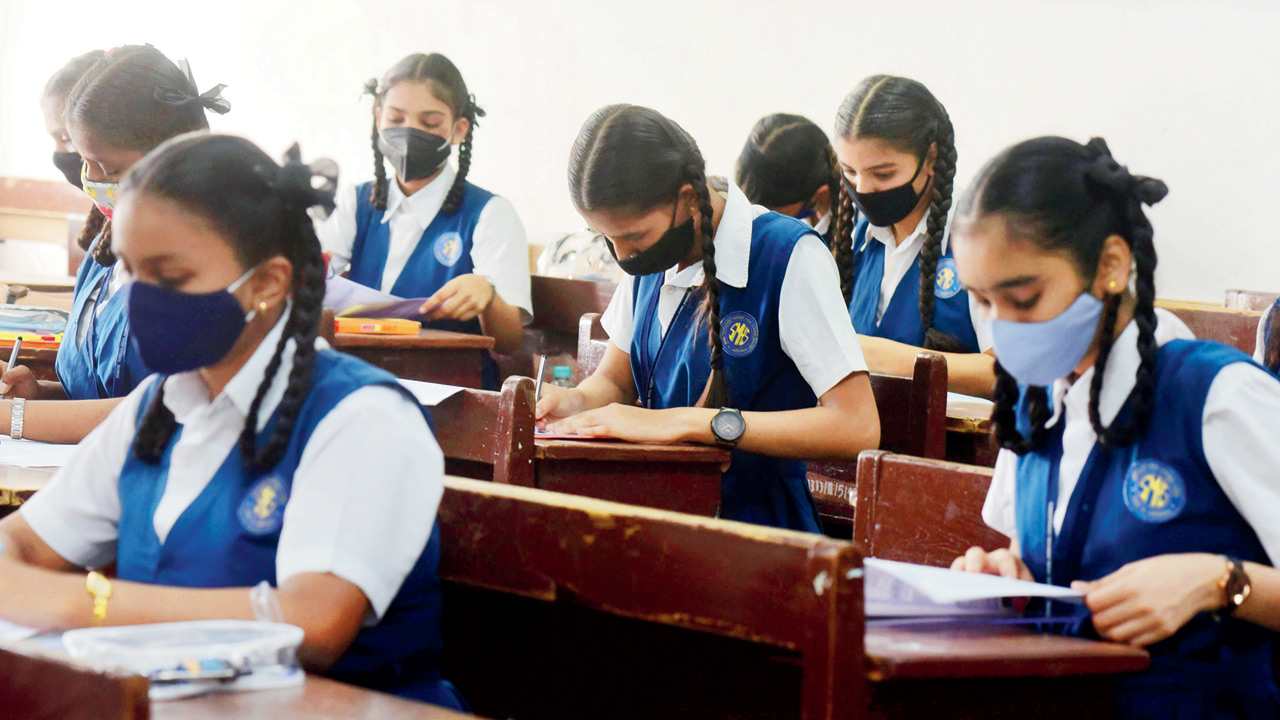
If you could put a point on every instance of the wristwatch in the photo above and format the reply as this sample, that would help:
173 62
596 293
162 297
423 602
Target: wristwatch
728 426
1235 586
17 412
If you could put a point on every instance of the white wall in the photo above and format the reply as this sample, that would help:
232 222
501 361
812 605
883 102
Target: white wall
1182 90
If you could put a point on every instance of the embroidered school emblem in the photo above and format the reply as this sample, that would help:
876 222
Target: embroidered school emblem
448 249
739 334
946 282
1154 492
262 509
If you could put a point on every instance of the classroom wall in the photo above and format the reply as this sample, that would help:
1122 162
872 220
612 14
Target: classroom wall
1181 89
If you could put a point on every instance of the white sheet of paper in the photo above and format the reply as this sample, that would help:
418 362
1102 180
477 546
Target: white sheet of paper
941 585
430 394
12 633
31 454
968 406
341 293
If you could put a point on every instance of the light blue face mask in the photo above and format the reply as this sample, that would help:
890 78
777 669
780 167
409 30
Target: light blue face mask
1039 353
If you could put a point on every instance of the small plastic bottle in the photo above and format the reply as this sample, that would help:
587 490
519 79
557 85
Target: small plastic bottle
562 375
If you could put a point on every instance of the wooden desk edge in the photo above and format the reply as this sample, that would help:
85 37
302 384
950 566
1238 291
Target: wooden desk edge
898 654
426 340
624 452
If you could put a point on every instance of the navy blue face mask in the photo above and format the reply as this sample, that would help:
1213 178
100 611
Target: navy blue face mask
178 332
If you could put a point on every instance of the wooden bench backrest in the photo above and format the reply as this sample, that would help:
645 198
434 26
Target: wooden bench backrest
921 511
624 593
1229 326
557 305
489 435
1250 300
38 687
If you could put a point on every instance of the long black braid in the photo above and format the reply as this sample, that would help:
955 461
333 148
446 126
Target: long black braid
943 183
446 83
260 208
846 218
1064 196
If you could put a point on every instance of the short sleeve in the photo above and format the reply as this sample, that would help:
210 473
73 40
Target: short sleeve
814 323
618 319
1239 442
500 252
981 324
78 512
364 495
998 511
337 233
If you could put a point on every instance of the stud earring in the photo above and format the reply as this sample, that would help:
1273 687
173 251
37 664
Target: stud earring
262 306
1112 285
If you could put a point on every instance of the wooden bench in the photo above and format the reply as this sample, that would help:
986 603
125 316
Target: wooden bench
36 684
1230 326
439 356
921 511
562 606
558 303
913 421
490 436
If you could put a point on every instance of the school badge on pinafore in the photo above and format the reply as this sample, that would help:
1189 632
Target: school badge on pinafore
946 282
448 249
262 510
739 334
1154 492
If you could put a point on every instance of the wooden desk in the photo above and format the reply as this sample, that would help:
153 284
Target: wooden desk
684 478
437 356
40 360
971 440
18 484
1229 326
933 671
319 698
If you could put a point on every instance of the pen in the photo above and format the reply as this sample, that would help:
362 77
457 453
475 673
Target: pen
537 386
13 358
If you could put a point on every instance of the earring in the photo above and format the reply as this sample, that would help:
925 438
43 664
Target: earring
1112 285
262 306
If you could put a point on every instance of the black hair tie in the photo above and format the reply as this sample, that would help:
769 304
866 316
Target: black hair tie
306 186
1115 179
370 87
473 111
210 99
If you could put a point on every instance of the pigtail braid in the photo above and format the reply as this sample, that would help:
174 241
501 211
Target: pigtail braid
846 217
472 113
717 388
1005 417
157 428
944 173
377 193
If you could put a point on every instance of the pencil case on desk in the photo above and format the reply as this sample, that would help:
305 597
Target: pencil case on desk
377 326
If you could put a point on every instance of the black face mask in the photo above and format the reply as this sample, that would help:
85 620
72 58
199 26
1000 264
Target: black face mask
888 207
671 248
413 153
69 163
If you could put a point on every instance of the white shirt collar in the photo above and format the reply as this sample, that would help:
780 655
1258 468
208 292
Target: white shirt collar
1121 373
186 393
823 224
885 236
424 204
732 242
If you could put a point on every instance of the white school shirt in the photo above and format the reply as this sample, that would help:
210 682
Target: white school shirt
499 249
1240 415
364 495
812 317
898 258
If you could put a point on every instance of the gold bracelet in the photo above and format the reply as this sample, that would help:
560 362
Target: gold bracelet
99 588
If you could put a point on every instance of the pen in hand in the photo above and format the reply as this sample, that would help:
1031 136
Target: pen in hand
13 358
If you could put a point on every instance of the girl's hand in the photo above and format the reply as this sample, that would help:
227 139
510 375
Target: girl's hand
18 382
624 422
1148 600
462 298
1003 562
558 403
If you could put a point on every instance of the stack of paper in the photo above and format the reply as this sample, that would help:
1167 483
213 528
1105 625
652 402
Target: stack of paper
13 633
351 299
897 589
429 394
32 454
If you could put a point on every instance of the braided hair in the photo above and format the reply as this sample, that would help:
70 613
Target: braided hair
1064 196
134 98
1271 339
260 208
445 81
905 114
632 157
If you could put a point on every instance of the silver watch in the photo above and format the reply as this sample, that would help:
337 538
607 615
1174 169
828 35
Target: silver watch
17 410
